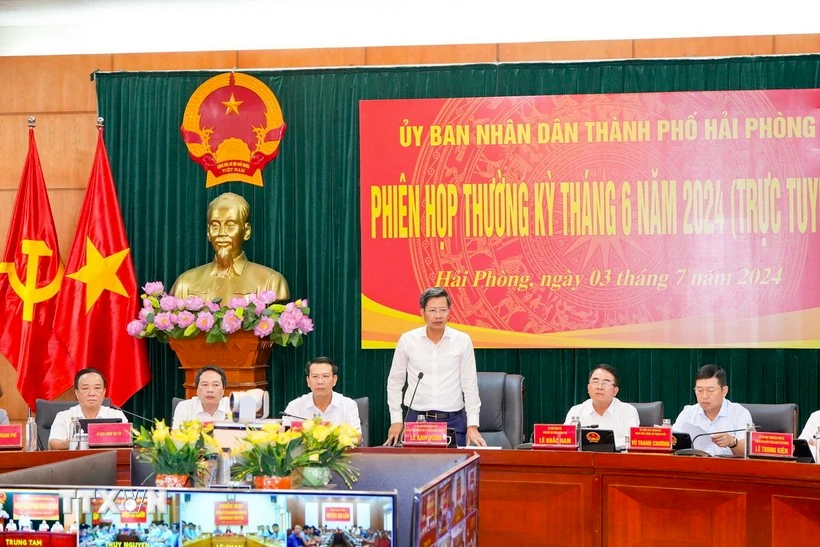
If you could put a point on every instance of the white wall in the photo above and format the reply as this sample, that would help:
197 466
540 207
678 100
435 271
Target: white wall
47 27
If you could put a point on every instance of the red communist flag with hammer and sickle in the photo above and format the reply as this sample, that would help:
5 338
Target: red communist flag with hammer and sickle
30 276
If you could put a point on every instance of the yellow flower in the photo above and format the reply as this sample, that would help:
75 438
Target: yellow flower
320 432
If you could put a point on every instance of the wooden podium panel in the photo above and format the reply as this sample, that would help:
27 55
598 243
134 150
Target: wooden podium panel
795 521
653 513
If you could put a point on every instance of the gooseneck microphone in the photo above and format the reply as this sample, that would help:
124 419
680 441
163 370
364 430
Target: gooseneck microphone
699 435
143 418
288 415
413 397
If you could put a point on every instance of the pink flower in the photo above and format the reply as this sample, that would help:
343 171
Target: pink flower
204 321
169 303
213 306
268 297
305 324
185 318
264 327
194 303
135 327
237 302
154 288
146 304
163 321
288 322
145 312
230 322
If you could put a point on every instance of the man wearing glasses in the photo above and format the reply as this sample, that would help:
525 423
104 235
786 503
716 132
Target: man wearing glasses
714 412
602 408
440 362
322 374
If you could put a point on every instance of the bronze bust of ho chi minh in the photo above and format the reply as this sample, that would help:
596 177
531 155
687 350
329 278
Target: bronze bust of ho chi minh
231 273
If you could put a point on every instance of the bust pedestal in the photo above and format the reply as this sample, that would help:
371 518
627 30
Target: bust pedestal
244 358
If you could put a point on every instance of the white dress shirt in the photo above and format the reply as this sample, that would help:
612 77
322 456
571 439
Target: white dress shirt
450 382
59 428
811 426
731 416
191 409
342 410
619 417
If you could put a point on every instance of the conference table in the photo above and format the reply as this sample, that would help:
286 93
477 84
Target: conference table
545 498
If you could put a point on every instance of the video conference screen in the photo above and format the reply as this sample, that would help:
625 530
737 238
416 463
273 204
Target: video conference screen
445 511
151 517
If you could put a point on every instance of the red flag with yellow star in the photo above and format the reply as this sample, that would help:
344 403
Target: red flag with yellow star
99 295
30 275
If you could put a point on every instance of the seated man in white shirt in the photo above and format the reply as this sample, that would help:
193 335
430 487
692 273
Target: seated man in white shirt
210 403
715 413
89 389
602 408
812 428
322 374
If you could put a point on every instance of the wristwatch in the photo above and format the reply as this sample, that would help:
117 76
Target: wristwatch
734 444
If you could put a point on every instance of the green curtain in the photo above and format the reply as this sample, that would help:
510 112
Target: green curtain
306 222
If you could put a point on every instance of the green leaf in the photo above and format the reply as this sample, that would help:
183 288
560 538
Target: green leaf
192 328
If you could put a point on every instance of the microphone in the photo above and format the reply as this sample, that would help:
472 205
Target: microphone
413 397
143 418
287 415
718 433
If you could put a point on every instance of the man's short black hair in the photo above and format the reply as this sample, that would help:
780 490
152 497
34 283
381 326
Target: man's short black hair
85 371
322 361
609 368
433 292
712 371
214 368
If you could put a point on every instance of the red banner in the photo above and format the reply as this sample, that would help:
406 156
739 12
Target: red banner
36 506
629 220
337 513
231 513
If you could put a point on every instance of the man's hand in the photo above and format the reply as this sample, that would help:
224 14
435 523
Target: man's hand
474 437
394 434
723 440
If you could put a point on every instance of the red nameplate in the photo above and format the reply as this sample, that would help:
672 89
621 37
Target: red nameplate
771 445
425 434
11 436
296 425
555 437
650 439
109 434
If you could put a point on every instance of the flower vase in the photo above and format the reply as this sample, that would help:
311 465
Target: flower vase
315 477
171 480
265 482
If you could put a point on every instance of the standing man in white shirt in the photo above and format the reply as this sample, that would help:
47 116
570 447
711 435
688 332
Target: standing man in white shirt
714 412
448 390
89 389
322 374
210 403
603 409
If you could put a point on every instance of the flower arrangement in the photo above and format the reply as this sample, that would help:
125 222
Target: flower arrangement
268 452
327 446
164 316
182 451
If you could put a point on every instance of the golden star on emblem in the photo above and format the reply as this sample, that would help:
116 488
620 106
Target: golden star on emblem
99 273
232 105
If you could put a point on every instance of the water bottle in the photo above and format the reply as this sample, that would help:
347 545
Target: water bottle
748 437
31 434
74 432
817 445
666 423
576 421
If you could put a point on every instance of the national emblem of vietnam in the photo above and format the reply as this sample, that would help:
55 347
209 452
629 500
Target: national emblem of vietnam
232 127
